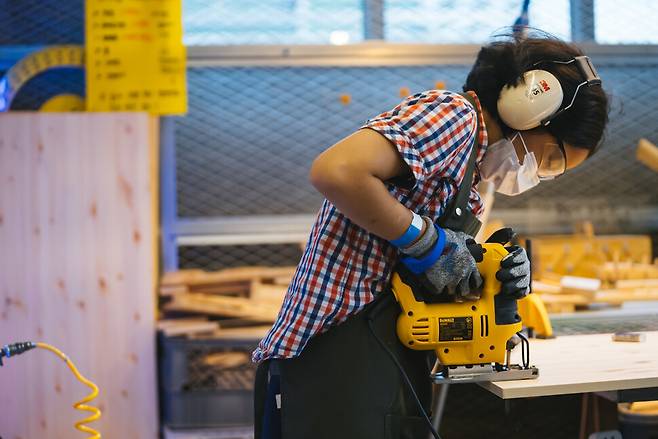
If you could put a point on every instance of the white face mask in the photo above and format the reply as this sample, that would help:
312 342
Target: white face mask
501 168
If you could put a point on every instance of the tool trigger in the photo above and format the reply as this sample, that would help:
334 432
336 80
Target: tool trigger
501 236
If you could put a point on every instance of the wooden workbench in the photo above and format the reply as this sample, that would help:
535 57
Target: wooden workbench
583 364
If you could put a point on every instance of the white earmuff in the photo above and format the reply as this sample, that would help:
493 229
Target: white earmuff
526 105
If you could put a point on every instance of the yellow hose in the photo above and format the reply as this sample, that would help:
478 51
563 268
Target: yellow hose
82 404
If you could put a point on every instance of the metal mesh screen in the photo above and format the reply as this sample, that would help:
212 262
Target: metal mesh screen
255 131
601 325
469 21
206 22
272 22
452 21
437 21
219 369
247 143
218 257
632 23
37 22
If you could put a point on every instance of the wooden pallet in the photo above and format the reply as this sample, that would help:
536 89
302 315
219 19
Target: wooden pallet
608 258
249 294
571 293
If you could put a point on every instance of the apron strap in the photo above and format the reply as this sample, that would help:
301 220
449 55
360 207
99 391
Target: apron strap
260 395
458 216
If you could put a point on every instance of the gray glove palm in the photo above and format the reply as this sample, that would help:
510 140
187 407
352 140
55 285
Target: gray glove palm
455 271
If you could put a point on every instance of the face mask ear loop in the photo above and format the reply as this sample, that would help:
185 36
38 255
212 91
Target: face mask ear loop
527 154
518 133
523 143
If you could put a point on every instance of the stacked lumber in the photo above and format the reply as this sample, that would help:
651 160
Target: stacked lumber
571 272
606 257
194 326
246 295
569 293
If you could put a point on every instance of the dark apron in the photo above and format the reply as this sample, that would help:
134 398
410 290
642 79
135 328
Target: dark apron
344 385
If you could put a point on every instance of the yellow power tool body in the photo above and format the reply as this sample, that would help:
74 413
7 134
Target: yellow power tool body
472 339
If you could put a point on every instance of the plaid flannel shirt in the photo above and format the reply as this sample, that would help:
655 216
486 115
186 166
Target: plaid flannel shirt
344 266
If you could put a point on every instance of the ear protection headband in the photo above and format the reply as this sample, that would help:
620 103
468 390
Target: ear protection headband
539 97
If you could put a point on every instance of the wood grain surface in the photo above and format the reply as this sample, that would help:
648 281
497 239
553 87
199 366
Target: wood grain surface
78 227
584 363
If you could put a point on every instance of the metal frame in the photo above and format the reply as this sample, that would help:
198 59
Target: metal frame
168 200
373 53
582 20
383 54
266 229
373 19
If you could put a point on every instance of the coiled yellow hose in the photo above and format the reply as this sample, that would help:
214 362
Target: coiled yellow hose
82 404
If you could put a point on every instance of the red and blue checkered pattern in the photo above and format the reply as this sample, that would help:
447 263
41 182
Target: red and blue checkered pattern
344 266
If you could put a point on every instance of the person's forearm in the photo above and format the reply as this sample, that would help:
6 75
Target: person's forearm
365 200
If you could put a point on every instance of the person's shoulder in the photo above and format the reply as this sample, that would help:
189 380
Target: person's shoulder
455 99
443 98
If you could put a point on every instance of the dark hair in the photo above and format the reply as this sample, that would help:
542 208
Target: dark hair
504 61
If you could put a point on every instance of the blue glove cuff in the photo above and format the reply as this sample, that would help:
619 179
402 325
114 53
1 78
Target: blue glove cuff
413 231
420 265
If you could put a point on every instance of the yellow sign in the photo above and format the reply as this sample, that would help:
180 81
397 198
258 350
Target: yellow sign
135 56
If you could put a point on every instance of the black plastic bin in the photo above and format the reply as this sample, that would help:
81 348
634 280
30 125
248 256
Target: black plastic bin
637 424
197 390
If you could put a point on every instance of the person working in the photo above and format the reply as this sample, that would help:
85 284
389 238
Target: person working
532 109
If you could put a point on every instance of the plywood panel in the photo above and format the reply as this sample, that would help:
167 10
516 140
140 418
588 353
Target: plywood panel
584 363
78 270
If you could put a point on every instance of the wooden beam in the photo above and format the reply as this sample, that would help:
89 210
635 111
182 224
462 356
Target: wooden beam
224 306
647 153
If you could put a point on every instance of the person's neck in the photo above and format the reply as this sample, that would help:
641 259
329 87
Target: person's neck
494 132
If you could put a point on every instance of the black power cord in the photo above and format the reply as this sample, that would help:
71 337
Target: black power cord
406 379
14 349
525 350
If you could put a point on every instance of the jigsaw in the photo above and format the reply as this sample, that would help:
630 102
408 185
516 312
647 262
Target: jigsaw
473 340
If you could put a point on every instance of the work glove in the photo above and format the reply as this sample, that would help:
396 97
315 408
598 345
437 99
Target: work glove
514 273
445 262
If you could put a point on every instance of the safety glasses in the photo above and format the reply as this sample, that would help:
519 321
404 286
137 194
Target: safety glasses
553 161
